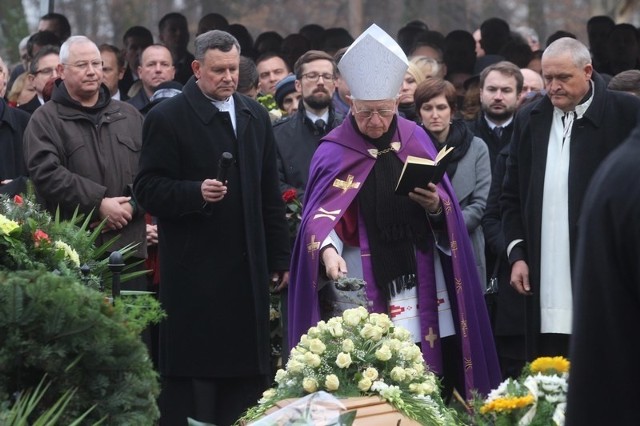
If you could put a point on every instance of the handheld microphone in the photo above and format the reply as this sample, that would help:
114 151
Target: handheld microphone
226 159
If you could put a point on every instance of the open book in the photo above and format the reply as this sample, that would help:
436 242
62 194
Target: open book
418 172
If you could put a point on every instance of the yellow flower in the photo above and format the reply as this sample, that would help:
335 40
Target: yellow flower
371 332
555 364
69 252
312 360
348 346
269 393
332 383
295 366
351 317
309 384
304 341
280 375
370 373
364 384
7 225
384 353
335 329
507 404
316 346
343 360
398 374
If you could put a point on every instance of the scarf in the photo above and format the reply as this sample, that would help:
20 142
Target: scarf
395 225
460 138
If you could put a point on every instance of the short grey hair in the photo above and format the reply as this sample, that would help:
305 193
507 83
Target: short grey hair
214 39
66 46
576 49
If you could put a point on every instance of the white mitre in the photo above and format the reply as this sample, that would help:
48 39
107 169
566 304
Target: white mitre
374 66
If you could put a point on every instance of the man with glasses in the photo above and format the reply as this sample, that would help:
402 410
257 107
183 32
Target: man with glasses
156 67
43 68
413 252
82 149
297 136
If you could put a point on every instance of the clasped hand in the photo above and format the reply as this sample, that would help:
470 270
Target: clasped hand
118 212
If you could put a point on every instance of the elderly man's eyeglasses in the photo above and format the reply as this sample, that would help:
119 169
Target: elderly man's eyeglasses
315 76
84 65
45 71
367 113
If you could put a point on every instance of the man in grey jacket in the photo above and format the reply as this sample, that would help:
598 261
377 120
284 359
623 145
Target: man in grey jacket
82 148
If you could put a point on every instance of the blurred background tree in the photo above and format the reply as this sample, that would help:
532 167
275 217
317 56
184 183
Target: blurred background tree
107 20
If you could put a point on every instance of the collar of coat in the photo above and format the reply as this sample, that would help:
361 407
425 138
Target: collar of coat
204 108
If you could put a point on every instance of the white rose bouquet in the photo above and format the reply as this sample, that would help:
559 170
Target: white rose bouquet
360 354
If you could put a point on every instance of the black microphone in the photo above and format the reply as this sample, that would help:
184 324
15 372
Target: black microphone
226 159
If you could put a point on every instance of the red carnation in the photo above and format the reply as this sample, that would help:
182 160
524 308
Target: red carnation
18 199
289 195
40 236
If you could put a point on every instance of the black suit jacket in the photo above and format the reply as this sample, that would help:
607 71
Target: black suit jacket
607 122
297 139
12 162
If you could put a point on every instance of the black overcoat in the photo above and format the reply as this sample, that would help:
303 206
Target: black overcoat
607 302
607 122
215 258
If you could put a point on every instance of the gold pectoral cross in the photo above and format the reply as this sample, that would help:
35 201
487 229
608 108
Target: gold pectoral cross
431 337
346 184
313 246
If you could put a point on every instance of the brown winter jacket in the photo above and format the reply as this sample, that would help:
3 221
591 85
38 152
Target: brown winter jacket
76 156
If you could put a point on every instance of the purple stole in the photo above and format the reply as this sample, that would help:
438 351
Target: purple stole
338 170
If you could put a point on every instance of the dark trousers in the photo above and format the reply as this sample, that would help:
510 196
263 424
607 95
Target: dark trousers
219 401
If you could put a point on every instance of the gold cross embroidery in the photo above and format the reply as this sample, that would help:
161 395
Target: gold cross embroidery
346 184
431 337
313 246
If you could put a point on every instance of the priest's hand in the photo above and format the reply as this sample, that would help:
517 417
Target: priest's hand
334 264
520 277
212 190
427 197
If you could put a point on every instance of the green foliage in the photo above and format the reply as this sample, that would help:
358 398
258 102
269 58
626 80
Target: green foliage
21 413
140 309
52 324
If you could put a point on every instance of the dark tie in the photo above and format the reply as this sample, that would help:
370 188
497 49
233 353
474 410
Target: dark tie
498 131
320 125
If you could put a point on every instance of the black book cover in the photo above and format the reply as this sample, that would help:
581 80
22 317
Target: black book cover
417 172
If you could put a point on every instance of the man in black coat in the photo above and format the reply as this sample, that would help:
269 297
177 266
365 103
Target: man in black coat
222 238
13 169
297 136
500 87
557 145
607 303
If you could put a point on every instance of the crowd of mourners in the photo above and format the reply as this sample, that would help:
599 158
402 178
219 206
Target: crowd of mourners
487 268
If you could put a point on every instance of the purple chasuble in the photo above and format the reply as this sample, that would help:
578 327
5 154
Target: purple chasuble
338 170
